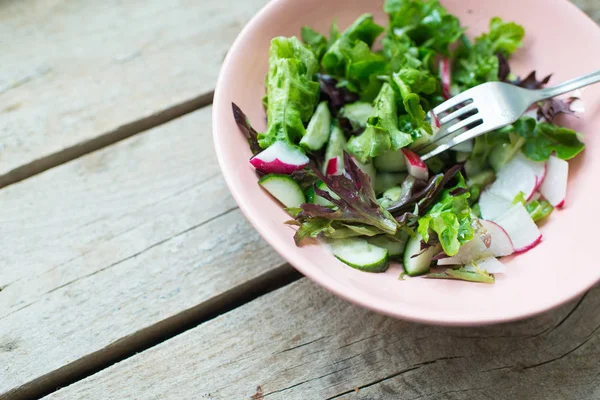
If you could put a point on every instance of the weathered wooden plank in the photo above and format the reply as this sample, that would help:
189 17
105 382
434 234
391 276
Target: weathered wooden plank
591 7
75 75
113 248
300 342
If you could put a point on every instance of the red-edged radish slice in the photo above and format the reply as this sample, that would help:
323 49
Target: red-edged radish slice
539 180
446 78
416 167
472 250
536 196
491 265
492 205
335 166
280 158
521 229
554 187
520 174
501 245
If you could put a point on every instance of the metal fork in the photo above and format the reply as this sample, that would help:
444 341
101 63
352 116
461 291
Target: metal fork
488 107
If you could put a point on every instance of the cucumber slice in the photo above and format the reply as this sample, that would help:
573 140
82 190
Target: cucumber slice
360 254
395 248
392 161
335 146
318 129
415 261
284 189
357 113
387 180
312 197
390 196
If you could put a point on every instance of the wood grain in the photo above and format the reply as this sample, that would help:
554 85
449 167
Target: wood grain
77 76
300 342
101 248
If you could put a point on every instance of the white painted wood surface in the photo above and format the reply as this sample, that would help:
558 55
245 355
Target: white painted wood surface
301 342
75 71
115 242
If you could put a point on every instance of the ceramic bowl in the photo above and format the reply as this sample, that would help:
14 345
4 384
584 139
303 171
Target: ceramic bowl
558 41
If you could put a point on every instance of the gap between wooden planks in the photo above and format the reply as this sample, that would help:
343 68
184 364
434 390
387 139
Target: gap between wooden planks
78 76
113 252
331 349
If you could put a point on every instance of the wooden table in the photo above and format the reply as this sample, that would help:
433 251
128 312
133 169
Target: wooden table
128 272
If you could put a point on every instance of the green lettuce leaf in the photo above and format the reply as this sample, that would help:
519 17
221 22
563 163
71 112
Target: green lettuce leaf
292 91
381 133
478 63
449 218
350 57
410 83
317 42
547 138
537 209
426 23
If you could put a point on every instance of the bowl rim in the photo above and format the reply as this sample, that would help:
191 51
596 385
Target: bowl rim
302 263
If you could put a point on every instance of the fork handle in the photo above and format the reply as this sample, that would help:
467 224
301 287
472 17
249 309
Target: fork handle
569 86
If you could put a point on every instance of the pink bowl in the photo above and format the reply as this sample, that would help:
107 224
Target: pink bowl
562 267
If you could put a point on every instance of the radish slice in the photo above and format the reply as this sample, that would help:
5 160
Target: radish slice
520 174
334 166
501 245
536 196
521 229
280 158
491 265
554 187
492 205
445 77
416 167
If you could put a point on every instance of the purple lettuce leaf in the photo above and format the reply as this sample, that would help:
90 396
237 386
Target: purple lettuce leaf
244 124
355 202
336 96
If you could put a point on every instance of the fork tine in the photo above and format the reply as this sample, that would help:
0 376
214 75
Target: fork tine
458 113
464 123
452 102
449 141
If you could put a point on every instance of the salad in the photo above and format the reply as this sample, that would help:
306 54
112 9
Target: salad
346 113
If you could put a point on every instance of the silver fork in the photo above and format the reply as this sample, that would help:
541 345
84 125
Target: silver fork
488 107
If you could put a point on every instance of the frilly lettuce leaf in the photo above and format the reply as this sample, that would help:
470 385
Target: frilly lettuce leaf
426 23
291 90
350 57
449 218
381 133
479 63
317 42
409 83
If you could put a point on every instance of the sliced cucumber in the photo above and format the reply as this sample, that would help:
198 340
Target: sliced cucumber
387 180
312 197
360 254
335 146
415 261
284 189
392 161
395 247
317 131
357 113
390 196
